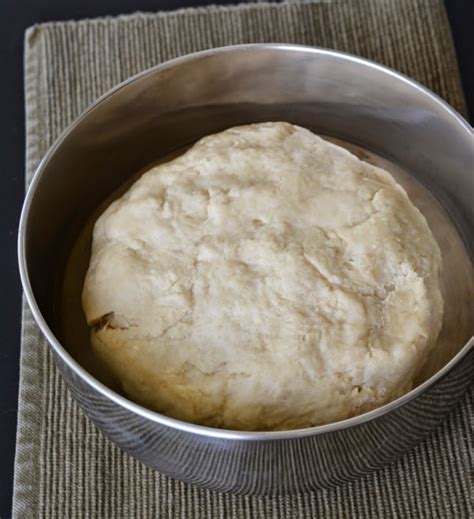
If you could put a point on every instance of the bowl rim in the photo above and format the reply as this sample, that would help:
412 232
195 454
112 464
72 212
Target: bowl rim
187 427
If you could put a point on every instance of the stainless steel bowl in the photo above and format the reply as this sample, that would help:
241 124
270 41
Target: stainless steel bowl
172 105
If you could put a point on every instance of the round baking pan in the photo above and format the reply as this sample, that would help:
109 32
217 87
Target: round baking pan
379 114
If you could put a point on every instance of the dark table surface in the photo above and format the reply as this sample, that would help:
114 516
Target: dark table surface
15 17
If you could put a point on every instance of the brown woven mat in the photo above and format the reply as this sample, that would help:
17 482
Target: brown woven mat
65 468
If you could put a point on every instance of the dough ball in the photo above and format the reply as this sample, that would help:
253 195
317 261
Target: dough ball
266 279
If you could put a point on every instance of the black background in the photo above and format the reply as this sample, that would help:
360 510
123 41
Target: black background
15 17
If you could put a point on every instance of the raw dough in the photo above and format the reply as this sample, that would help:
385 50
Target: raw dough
265 279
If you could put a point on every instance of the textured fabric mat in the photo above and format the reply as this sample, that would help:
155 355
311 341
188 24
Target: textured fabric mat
65 468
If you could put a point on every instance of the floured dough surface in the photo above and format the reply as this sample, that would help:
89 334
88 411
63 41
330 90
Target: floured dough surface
265 279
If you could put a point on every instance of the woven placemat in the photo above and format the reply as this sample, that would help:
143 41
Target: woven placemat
65 468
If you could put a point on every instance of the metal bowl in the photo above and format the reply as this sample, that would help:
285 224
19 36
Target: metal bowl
171 106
